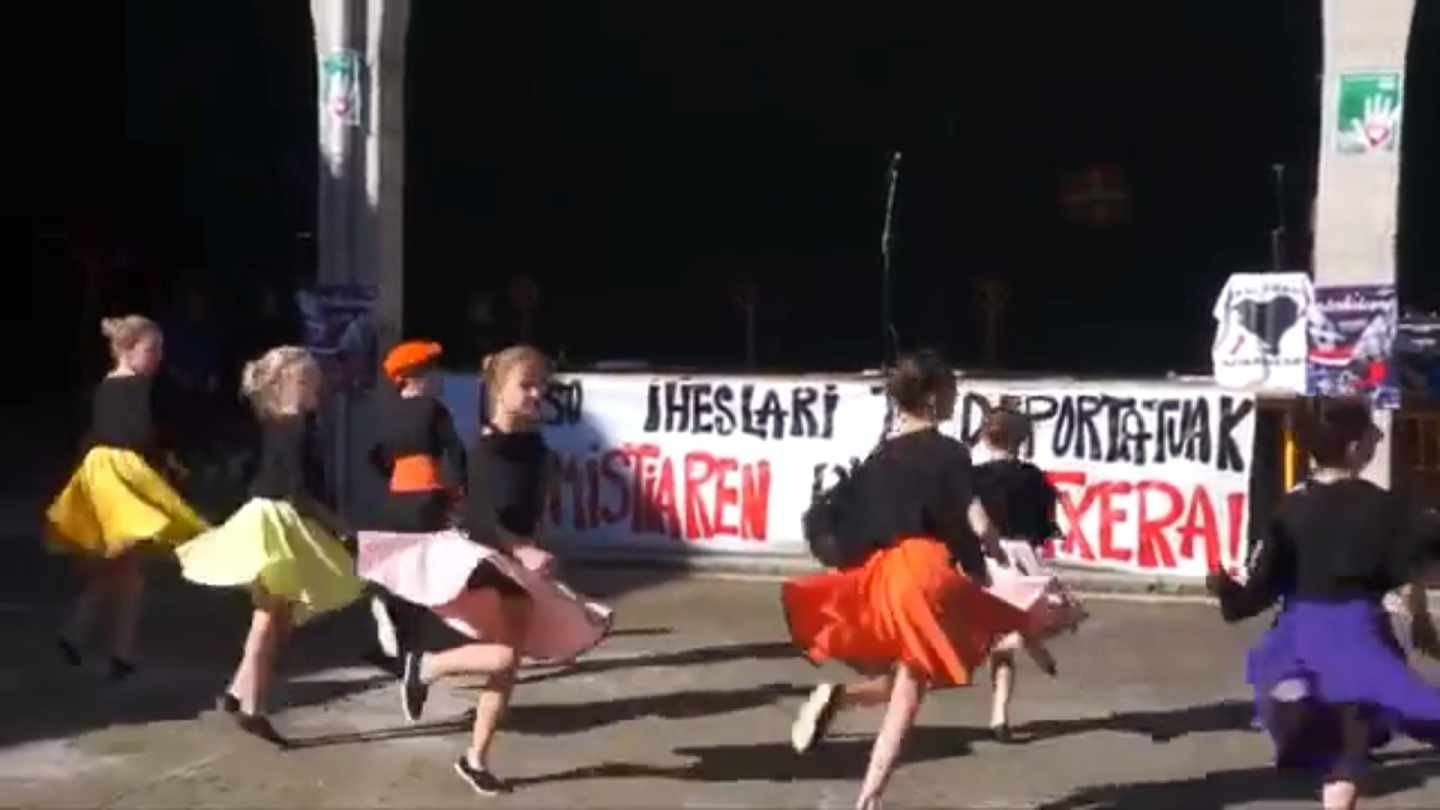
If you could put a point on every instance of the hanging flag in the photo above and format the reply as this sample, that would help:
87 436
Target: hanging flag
1260 331
1096 196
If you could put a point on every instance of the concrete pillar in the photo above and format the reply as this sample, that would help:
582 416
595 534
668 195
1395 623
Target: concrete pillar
1356 212
360 50
360 55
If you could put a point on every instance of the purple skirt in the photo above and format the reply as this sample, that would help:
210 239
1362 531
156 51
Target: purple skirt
1321 656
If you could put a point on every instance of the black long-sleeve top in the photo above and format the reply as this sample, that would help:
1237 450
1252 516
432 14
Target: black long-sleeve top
418 426
127 413
1335 542
506 485
290 465
1019 499
920 484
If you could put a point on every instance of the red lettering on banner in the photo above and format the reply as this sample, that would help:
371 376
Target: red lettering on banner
1075 542
1201 522
1236 502
1154 547
755 503
592 481
665 502
725 495
696 496
1160 511
698 469
616 479
1109 515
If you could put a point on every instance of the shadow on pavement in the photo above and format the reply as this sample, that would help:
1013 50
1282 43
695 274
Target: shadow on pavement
691 657
438 728
1396 773
1159 726
840 758
568 718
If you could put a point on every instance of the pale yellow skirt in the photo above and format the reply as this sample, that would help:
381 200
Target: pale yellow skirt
269 546
114 501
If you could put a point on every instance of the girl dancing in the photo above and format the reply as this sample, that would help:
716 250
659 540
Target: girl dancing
116 500
1330 678
906 613
423 459
282 544
501 594
1019 505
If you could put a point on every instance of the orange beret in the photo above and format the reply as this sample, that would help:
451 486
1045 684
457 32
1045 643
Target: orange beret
409 355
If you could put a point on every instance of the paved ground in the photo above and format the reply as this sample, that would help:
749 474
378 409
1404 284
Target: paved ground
687 706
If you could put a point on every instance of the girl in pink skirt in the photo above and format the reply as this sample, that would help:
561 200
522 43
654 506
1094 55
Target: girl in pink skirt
1019 507
488 578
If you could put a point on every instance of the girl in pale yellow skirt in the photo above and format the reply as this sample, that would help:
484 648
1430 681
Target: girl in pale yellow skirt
116 502
282 544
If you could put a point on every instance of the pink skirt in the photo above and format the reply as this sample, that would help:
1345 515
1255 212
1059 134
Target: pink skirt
433 570
1027 583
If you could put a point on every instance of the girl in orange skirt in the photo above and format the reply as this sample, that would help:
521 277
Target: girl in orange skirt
906 614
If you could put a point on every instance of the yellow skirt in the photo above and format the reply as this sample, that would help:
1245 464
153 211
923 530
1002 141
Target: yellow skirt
269 546
114 501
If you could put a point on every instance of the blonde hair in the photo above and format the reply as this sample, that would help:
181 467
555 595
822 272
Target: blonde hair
126 331
496 367
263 380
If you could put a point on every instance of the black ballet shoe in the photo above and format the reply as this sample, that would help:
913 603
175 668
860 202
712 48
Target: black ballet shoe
227 703
69 652
1053 670
120 669
258 725
1001 734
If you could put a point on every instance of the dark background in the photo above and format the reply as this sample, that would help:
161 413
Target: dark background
636 165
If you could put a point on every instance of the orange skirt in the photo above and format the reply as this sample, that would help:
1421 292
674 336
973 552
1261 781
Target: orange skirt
907 604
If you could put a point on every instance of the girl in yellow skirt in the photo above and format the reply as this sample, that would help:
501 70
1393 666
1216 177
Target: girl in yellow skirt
282 544
116 501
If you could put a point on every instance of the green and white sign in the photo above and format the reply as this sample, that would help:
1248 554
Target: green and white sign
1369 112
342 74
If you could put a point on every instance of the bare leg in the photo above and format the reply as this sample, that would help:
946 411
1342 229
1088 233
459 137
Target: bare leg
495 697
505 620
267 626
905 699
1040 654
1340 791
869 692
1002 667
128 580
82 614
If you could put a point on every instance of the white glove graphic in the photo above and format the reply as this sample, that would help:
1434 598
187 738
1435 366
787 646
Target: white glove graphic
1378 127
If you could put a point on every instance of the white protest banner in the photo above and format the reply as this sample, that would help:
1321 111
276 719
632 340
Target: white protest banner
1153 477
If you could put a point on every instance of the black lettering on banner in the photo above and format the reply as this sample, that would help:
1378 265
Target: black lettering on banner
1195 422
765 412
1091 427
563 403
1231 416
724 410
703 408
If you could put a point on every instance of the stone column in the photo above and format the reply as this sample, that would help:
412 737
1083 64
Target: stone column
1356 212
360 57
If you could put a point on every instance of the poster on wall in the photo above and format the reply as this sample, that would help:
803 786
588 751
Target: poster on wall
1368 112
1352 334
1153 477
1260 336
340 332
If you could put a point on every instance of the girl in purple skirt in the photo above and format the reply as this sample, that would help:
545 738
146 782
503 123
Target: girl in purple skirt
1330 678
